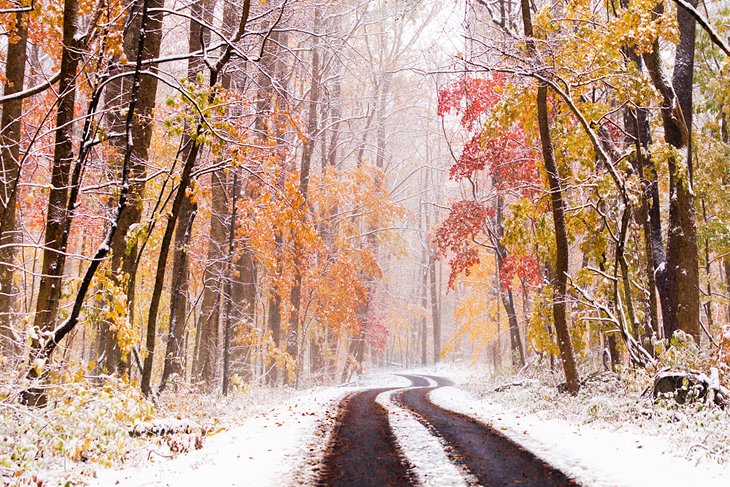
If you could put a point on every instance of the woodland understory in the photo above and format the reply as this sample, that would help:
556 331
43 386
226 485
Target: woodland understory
210 205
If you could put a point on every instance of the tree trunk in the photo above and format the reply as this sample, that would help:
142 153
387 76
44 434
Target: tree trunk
174 354
212 279
54 253
244 296
227 328
424 304
292 341
123 260
565 344
682 253
636 124
435 309
726 266
275 327
54 257
517 352
10 132
561 237
180 266
162 263
708 272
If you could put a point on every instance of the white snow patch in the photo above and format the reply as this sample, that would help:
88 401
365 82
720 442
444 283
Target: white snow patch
377 380
591 455
266 450
422 449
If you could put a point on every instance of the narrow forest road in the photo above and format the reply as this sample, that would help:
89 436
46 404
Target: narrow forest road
364 450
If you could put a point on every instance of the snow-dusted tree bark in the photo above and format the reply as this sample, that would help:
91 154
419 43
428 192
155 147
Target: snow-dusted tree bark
435 308
10 132
565 344
56 235
124 261
44 345
682 255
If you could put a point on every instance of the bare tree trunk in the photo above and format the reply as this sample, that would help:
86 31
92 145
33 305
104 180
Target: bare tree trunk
275 325
244 296
174 355
425 267
10 132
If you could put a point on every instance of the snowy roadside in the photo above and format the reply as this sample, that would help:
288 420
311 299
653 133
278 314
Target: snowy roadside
263 450
281 446
598 440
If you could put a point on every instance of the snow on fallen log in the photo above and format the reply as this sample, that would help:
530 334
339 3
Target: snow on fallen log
166 426
517 383
690 387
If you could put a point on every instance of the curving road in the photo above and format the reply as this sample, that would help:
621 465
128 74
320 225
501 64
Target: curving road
364 452
491 457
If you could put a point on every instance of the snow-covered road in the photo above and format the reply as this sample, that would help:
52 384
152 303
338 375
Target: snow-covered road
289 445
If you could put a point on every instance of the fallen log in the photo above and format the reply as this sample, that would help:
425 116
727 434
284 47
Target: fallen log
167 426
691 386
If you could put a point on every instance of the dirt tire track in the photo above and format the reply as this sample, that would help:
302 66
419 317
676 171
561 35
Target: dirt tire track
491 457
363 450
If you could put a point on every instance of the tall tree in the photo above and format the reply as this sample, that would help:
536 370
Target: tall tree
190 158
45 342
682 254
174 355
123 259
212 278
57 218
292 343
560 321
10 133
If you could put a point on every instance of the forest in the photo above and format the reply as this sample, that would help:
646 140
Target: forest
211 201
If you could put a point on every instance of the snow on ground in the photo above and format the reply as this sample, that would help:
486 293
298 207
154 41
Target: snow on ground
607 436
423 450
264 450
601 438
281 446
377 379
